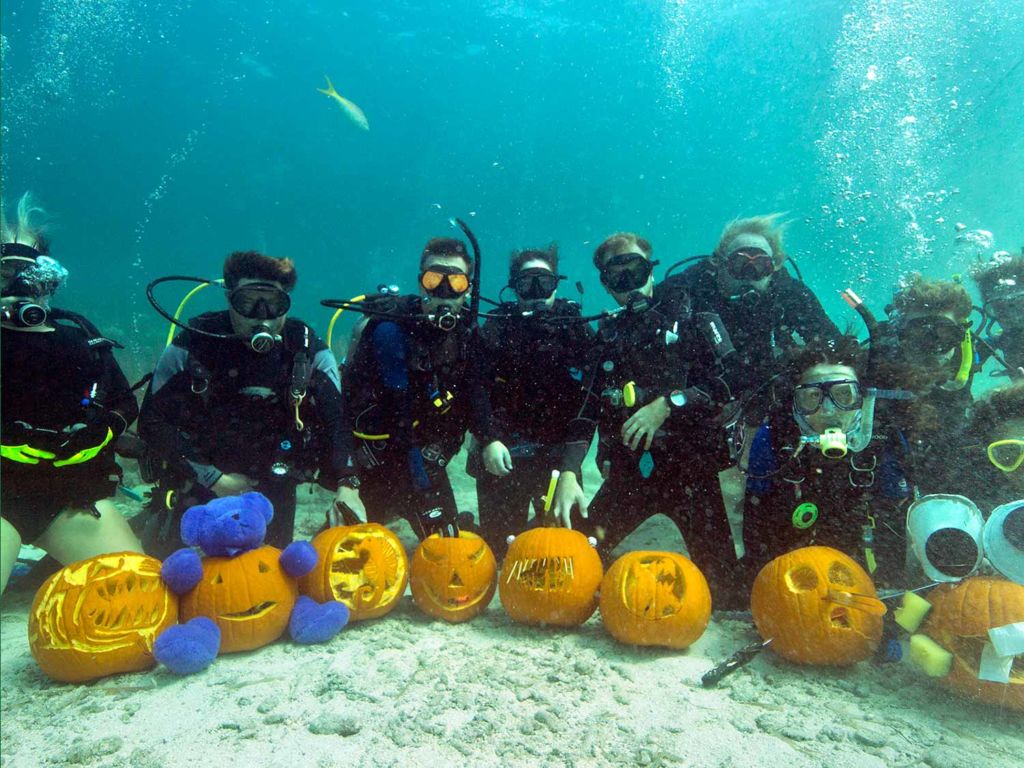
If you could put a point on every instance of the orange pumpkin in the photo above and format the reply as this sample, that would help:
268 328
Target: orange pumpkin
959 621
249 596
550 576
100 616
453 578
818 606
363 566
655 598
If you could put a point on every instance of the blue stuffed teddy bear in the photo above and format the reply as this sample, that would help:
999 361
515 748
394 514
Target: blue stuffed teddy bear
228 527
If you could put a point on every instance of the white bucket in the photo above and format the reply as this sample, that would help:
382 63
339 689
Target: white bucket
1006 556
938 512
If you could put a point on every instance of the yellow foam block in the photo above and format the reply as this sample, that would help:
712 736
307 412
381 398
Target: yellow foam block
912 611
930 657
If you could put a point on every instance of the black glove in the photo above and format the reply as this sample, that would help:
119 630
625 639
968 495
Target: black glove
434 517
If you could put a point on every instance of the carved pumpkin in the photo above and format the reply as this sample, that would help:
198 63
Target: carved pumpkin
818 606
655 598
550 576
100 616
249 596
453 578
959 621
363 566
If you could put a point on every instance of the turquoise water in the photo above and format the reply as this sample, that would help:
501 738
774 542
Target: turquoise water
163 135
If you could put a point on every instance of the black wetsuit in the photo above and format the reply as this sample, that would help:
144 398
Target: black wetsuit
855 504
660 350
535 374
412 391
762 326
216 407
52 381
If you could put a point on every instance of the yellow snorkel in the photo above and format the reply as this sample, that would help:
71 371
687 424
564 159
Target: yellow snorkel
963 373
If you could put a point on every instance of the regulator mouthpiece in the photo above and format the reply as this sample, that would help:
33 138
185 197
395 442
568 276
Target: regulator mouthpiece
24 314
262 341
832 443
445 318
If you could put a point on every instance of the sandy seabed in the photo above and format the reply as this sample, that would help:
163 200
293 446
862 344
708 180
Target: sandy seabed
405 691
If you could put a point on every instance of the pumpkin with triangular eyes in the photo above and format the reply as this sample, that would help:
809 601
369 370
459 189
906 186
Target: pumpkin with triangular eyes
655 598
817 606
453 578
249 596
363 566
100 616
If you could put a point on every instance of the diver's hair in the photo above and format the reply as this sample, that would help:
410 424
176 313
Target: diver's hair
28 227
548 255
256 266
995 408
919 294
845 349
446 246
767 226
992 273
617 242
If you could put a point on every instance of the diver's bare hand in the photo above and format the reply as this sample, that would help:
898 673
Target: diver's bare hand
568 494
233 484
643 424
497 460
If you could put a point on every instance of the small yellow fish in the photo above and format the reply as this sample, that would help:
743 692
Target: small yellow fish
351 110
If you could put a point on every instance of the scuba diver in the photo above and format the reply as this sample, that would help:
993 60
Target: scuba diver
412 387
744 281
927 348
65 401
661 375
820 472
245 399
1001 284
991 469
534 352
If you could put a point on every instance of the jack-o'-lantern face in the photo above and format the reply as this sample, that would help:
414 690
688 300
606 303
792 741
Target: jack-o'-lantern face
100 617
655 598
363 566
818 606
550 576
453 578
249 597
959 621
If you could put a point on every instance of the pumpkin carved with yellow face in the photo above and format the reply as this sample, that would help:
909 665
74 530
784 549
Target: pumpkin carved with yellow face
100 616
550 576
818 606
249 597
363 566
959 621
453 578
655 598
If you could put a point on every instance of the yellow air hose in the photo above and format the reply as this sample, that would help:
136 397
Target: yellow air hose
181 307
334 319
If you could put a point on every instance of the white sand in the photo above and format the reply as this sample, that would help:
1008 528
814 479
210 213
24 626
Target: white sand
406 691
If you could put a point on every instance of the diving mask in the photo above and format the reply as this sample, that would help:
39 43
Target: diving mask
626 272
1007 455
259 301
750 264
535 283
444 282
931 335
844 394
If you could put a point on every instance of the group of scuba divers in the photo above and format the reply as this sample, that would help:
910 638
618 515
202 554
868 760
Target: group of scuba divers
728 364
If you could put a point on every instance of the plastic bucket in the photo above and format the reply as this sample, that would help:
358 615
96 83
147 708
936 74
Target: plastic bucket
945 535
1004 540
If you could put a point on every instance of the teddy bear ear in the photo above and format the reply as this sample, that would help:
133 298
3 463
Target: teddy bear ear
257 502
192 524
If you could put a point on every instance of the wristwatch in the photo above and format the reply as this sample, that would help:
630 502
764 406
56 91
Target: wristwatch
349 481
676 398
